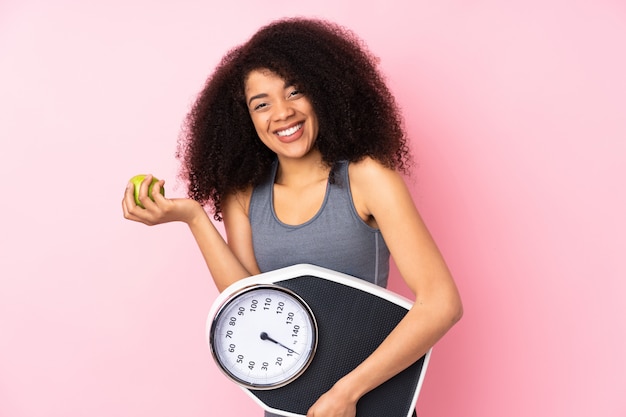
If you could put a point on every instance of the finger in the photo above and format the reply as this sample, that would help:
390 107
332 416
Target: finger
128 201
157 197
129 206
129 196
143 191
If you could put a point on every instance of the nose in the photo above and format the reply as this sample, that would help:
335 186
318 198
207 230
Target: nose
283 110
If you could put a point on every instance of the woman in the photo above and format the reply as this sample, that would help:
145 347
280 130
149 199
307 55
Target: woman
297 145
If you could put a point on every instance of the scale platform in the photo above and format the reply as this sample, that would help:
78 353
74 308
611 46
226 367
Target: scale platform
353 318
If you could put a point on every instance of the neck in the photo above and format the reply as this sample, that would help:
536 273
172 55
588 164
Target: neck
301 171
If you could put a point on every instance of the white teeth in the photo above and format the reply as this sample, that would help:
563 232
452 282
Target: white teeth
290 131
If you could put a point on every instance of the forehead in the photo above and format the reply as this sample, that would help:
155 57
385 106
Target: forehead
263 79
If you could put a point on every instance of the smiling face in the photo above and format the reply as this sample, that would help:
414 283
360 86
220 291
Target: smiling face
283 117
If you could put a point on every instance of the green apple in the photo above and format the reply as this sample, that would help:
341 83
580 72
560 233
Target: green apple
137 180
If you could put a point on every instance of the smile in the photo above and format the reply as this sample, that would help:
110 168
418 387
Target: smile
290 131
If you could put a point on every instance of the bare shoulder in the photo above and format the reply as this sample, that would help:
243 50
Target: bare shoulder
368 174
374 185
371 165
238 202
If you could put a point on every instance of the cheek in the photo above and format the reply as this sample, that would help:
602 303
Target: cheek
316 126
260 123
261 128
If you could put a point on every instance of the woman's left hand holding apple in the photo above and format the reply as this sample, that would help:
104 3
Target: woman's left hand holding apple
156 208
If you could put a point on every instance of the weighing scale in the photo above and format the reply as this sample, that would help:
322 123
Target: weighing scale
286 336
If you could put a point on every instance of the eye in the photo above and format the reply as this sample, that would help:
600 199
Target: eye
294 93
259 106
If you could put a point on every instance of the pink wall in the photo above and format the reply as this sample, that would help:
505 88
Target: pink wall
517 115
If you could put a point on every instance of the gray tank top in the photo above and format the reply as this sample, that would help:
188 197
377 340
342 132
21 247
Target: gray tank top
335 238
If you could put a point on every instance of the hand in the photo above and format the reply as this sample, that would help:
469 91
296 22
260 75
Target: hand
334 403
161 210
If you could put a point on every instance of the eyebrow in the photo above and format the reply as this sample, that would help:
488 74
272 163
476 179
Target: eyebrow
262 95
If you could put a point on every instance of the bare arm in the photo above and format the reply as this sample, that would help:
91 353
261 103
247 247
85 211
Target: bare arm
382 194
238 230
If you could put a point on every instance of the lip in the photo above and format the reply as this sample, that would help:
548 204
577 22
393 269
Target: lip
293 137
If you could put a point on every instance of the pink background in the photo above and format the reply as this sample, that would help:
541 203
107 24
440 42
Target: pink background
516 112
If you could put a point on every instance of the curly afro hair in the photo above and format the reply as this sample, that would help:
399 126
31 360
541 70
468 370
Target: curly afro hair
219 149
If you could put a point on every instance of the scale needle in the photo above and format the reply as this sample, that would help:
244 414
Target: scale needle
265 336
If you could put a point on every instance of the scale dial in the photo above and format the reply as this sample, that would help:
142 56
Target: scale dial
263 336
